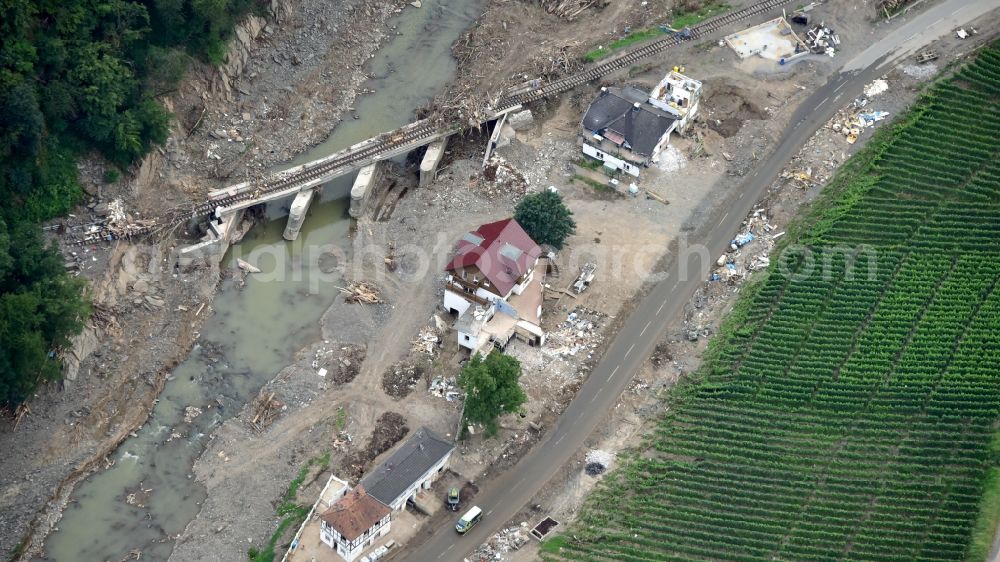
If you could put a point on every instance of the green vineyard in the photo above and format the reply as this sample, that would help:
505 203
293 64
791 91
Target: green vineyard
850 410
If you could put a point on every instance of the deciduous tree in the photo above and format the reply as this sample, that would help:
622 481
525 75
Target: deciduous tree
492 389
545 218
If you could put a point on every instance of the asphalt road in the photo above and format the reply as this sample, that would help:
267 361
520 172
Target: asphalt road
508 493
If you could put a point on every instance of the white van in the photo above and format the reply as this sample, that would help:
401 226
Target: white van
469 520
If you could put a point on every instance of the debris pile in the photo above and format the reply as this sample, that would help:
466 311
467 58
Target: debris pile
743 256
362 291
501 179
446 388
342 369
569 9
400 379
264 409
506 540
587 273
598 462
342 440
427 341
116 224
190 413
580 332
822 40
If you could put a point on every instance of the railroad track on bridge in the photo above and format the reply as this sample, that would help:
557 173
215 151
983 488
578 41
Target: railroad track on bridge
420 132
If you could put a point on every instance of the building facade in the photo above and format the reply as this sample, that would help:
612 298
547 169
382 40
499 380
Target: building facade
353 523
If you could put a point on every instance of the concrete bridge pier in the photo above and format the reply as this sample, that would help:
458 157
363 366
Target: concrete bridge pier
297 214
364 187
429 165
214 243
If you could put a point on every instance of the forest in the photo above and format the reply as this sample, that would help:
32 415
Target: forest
78 78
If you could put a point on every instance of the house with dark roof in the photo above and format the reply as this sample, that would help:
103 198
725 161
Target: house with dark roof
353 523
415 465
627 128
494 286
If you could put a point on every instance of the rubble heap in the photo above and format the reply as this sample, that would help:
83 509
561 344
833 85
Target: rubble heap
580 332
501 179
427 341
506 540
822 40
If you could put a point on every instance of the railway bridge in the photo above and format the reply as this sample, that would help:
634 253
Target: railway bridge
225 205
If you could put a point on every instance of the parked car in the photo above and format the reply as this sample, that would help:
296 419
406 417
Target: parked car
453 499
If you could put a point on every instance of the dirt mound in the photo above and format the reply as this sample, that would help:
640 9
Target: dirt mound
390 428
727 107
401 379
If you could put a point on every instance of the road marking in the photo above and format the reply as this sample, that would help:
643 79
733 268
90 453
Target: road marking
561 437
839 87
629 350
594 398
824 100
613 373
487 513
453 546
646 328
663 304
723 219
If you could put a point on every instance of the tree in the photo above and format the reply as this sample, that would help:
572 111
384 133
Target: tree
40 309
545 218
491 389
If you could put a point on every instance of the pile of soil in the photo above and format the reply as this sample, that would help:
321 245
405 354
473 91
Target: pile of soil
390 428
401 378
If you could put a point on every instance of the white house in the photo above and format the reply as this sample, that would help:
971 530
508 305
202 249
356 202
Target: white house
626 128
494 286
678 95
624 131
353 523
415 465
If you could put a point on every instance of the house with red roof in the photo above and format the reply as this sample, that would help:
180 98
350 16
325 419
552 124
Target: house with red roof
354 523
494 286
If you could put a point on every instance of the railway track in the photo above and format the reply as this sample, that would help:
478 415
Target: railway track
420 132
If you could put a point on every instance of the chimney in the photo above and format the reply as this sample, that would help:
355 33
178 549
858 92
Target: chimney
604 90
635 106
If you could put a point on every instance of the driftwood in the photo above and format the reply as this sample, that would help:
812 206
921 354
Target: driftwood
568 9
361 291
265 410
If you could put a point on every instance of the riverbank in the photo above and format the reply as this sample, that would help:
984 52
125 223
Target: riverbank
148 315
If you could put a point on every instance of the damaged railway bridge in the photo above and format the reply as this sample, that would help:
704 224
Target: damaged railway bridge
225 206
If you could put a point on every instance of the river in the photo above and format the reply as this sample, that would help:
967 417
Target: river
149 495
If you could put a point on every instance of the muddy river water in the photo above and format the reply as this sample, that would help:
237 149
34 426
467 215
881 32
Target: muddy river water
150 495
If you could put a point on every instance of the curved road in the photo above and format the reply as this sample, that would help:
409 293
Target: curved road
507 493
